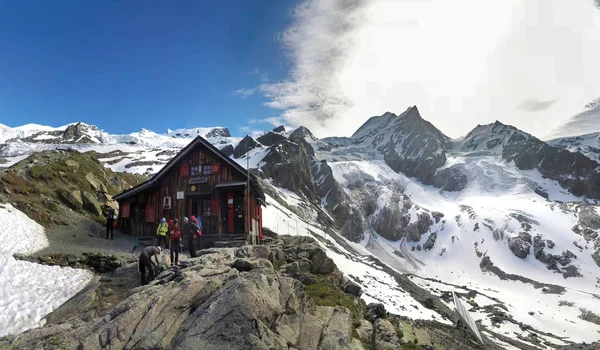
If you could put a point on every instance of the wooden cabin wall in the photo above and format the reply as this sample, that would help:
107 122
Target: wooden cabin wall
176 180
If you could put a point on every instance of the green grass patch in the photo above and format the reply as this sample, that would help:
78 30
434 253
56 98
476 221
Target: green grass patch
325 293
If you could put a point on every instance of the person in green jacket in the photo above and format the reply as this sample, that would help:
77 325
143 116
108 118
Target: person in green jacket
161 233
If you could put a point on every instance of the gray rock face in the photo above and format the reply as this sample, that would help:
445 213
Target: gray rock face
430 241
218 132
409 143
71 198
385 335
224 299
375 311
270 138
280 128
529 152
77 133
289 164
415 230
247 144
90 204
301 134
451 178
596 257
228 150
519 245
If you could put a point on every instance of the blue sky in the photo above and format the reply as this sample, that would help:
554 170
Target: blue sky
126 65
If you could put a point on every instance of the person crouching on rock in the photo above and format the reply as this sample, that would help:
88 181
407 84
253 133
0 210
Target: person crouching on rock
161 233
147 264
192 230
175 234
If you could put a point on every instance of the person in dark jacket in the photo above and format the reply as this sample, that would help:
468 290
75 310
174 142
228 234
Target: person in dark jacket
110 220
192 231
146 262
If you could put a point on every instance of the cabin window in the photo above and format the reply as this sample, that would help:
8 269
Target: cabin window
206 169
194 170
206 207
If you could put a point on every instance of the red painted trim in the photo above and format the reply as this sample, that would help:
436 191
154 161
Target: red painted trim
260 233
230 227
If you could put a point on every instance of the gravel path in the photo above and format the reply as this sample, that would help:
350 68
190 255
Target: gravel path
87 237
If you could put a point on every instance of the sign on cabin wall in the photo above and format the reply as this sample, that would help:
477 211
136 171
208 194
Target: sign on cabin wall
179 194
198 180
125 210
184 171
150 213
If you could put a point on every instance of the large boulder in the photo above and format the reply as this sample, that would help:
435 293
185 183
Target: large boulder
97 185
430 241
385 335
520 245
90 204
72 199
596 256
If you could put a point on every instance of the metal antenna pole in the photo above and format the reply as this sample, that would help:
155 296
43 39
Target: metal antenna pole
248 187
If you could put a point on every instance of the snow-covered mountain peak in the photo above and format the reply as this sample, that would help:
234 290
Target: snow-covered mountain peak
302 133
490 138
588 145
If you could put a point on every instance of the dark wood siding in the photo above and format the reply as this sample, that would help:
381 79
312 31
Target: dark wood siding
197 186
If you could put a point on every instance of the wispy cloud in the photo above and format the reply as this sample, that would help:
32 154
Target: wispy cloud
352 59
264 76
245 93
533 105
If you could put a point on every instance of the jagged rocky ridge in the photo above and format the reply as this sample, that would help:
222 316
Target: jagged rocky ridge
287 295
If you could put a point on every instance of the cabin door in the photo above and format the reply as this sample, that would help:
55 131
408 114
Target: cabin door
239 212
201 208
232 212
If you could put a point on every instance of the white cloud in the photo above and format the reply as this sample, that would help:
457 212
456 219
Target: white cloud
462 62
245 93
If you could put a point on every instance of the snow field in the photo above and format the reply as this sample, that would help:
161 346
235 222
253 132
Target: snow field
30 291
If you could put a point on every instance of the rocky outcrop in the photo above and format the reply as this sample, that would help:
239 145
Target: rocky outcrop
430 241
280 128
90 204
301 134
520 245
71 198
451 178
289 164
596 257
228 150
572 170
218 132
385 336
225 299
270 138
97 262
247 144
408 143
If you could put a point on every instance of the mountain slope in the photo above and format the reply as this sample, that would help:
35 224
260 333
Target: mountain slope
588 145
498 216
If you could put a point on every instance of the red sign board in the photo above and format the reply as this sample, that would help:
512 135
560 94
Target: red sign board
125 210
184 171
150 213
215 168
